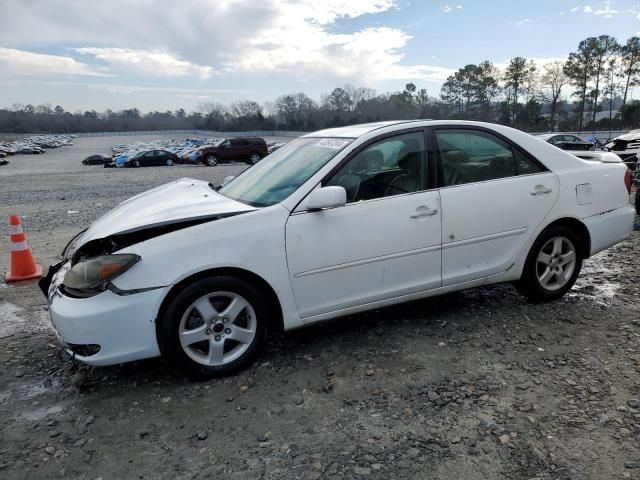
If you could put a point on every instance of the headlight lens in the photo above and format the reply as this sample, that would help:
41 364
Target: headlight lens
94 274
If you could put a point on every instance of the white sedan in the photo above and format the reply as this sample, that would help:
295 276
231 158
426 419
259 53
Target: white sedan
336 222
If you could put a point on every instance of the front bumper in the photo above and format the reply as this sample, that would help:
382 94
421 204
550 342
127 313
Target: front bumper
122 325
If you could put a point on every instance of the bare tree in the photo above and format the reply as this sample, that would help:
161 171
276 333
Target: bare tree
554 80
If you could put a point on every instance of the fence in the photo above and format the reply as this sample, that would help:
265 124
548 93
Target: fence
602 135
255 133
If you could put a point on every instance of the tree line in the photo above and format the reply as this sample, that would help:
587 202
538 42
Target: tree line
590 90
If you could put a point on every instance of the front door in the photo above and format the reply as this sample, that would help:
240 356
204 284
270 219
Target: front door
384 243
494 196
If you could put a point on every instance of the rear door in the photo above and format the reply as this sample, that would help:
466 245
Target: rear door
493 194
159 157
225 150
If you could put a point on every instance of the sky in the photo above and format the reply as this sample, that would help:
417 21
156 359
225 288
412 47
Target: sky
167 54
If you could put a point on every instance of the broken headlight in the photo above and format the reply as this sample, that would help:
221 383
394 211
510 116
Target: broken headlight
93 275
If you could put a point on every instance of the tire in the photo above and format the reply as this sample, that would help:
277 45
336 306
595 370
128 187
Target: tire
254 158
532 284
136 163
169 162
196 360
211 160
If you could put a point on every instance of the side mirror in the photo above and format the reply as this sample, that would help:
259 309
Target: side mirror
227 179
326 197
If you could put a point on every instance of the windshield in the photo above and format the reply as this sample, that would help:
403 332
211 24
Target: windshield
281 173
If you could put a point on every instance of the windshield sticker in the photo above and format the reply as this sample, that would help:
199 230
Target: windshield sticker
332 143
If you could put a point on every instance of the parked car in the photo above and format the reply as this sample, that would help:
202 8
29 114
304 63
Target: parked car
7 150
336 222
567 142
250 150
4 162
626 146
2 154
97 159
152 158
30 150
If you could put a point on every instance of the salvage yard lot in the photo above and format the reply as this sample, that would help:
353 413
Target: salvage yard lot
476 384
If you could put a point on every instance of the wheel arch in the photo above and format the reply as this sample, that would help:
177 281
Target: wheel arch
275 322
579 228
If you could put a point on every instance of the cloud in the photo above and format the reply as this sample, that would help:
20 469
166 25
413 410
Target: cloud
447 8
587 9
200 37
523 22
607 11
23 63
148 63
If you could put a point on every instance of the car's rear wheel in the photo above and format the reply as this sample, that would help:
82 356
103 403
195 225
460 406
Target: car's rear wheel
211 160
169 162
214 327
552 266
254 158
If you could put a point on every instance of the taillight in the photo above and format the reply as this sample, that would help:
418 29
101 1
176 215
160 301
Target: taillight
627 180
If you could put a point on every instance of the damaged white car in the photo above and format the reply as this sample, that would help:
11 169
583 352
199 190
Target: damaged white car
336 222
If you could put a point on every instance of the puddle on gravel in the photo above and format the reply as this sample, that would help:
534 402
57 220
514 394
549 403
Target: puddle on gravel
15 320
593 285
38 413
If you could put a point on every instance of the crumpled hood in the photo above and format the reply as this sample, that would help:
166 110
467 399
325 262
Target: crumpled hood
185 201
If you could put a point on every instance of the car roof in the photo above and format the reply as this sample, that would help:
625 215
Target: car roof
355 131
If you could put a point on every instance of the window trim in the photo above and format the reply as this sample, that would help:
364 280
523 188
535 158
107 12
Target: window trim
431 137
431 180
432 183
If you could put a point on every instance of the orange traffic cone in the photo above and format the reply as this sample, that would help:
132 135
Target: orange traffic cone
22 266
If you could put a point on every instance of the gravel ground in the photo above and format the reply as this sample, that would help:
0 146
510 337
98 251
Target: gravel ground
475 385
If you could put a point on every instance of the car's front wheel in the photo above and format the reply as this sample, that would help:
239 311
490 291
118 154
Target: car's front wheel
211 160
214 327
552 266
136 163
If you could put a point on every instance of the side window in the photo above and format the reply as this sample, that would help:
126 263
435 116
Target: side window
470 156
526 166
226 143
392 166
474 156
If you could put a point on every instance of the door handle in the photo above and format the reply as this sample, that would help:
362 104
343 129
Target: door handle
423 211
540 190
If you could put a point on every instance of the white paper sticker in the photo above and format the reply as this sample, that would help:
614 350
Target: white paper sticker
332 143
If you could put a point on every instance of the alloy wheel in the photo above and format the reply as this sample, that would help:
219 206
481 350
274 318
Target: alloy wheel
254 158
556 263
212 161
217 328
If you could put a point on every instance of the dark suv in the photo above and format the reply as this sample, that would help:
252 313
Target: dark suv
250 150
